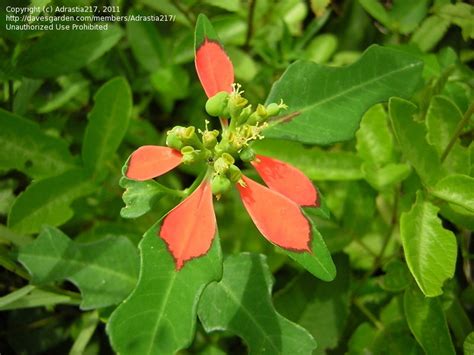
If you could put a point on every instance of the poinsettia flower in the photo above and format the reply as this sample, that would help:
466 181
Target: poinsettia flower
190 227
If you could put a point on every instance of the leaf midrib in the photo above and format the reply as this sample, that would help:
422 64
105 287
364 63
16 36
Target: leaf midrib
242 307
356 87
86 265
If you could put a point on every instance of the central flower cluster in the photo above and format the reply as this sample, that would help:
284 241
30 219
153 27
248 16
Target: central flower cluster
220 152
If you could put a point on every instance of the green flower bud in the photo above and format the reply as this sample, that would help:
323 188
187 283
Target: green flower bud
273 109
221 165
209 138
173 140
216 106
247 154
234 174
219 185
244 115
236 105
189 154
261 111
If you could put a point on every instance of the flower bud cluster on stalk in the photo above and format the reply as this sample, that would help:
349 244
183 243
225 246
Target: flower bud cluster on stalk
220 151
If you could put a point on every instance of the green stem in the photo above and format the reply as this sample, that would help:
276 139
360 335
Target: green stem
185 12
458 131
196 182
250 23
178 193
368 314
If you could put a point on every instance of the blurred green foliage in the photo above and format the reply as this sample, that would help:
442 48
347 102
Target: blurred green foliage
398 191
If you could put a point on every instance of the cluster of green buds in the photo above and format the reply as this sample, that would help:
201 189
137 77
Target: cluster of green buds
246 125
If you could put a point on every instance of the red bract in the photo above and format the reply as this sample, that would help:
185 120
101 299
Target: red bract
214 68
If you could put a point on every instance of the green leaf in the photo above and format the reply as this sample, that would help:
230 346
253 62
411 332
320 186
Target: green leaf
377 11
375 147
427 322
317 164
442 119
204 30
460 14
104 271
27 149
319 261
62 52
386 176
48 201
468 346
422 156
457 189
331 111
146 43
374 140
431 31
139 196
397 277
108 123
171 81
321 308
159 317
241 303
430 250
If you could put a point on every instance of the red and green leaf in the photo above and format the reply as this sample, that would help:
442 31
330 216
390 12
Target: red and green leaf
287 180
278 218
213 66
189 228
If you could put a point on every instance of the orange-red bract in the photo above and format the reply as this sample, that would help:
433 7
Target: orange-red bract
189 228
150 161
214 68
287 180
278 218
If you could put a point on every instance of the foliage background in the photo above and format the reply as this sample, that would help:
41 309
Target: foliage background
76 104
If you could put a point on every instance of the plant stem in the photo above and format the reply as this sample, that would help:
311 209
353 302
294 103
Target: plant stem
184 11
250 23
10 94
458 131
368 314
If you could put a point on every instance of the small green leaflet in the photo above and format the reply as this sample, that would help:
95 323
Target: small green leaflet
442 119
105 271
422 156
27 149
146 43
61 52
427 322
241 303
457 189
48 201
108 123
375 147
159 317
430 250
139 196
332 113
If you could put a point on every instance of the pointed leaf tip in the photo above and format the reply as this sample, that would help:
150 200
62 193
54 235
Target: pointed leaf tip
287 180
189 228
214 68
151 161
278 218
